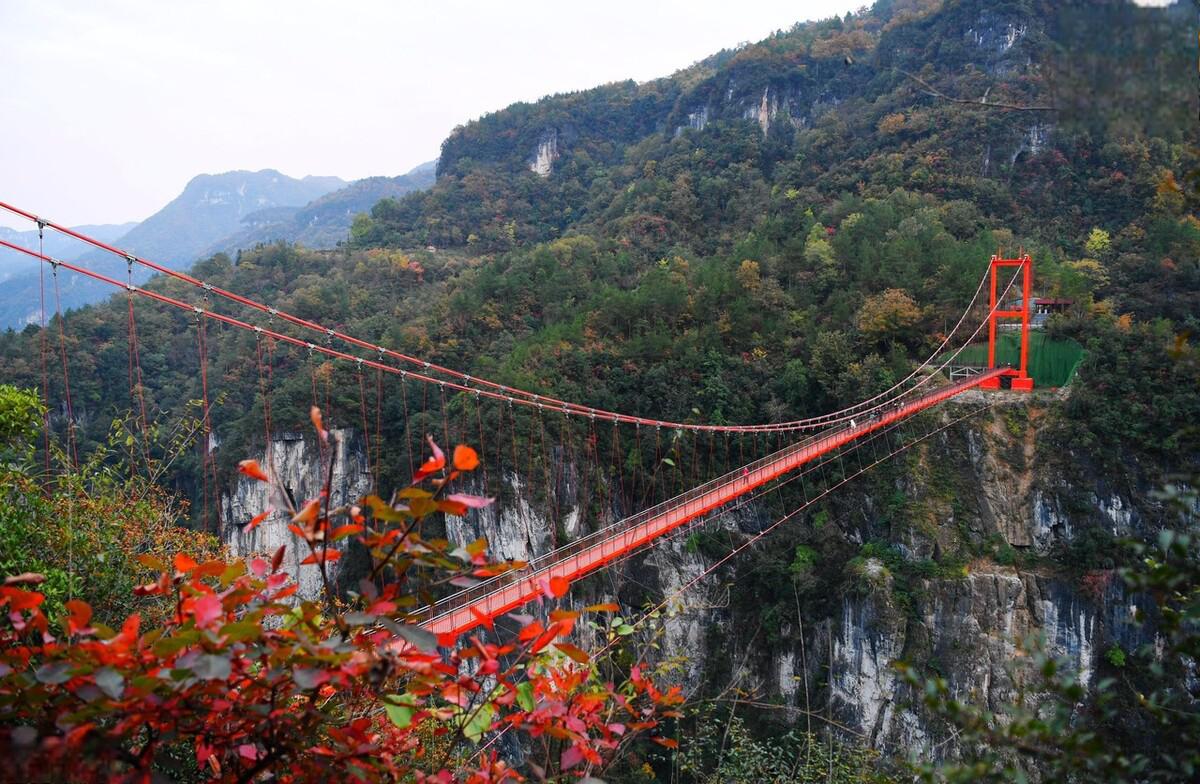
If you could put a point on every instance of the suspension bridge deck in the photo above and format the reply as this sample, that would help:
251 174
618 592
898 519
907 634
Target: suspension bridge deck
467 609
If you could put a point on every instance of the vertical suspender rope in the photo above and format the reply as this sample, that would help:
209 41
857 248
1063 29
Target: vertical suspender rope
479 422
407 422
619 466
655 482
445 418
135 371
639 483
591 464
73 452
264 389
316 403
362 404
206 423
44 349
378 425
269 452
568 458
530 456
424 410
512 434
70 414
551 500
695 458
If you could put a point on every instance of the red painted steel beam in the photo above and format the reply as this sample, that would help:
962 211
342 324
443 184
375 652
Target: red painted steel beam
457 614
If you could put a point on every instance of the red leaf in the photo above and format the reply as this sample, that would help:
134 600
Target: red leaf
80 615
129 632
470 501
451 507
206 610
559 586
20 599
486 620
606 607
317 556
670 743
308 513
546 638
530 631
277 560
575 653
258 518
184 563
433 464
345 530
571 757
149 589
252 469
283 593
319 423
465 458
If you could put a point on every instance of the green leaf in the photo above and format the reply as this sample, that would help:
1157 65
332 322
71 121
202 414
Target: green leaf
400 708
525 696
481 722
169 645
241 631
401 715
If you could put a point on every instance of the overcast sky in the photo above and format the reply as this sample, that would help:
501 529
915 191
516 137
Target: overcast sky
108 107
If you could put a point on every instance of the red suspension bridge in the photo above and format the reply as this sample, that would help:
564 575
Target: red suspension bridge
920 390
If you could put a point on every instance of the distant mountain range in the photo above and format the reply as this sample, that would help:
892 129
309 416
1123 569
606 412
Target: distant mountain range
323 222
214 213
58 245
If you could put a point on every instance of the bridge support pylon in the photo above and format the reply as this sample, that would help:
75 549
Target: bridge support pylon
1019 376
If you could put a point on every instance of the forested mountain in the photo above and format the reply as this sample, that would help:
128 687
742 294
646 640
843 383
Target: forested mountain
949 102
325 221
770 233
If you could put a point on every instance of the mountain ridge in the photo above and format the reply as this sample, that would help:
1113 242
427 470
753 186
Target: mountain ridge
214 213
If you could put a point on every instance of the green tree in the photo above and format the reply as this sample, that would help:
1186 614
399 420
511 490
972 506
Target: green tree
1098 243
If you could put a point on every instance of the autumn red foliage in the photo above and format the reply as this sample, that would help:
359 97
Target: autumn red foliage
247 681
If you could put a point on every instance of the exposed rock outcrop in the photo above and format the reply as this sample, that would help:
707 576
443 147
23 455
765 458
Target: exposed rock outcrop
298 463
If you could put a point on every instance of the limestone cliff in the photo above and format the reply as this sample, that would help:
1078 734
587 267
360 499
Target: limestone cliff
982 484
298 463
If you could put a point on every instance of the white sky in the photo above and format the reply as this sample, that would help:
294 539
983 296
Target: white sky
108 107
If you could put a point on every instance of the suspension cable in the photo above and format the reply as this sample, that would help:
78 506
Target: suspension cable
503 389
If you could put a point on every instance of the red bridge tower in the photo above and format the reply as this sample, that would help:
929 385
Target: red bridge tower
1019 376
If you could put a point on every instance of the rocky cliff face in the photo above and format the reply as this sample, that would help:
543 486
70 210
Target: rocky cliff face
299 464
964 626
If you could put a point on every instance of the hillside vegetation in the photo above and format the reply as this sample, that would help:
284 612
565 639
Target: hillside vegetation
771 233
